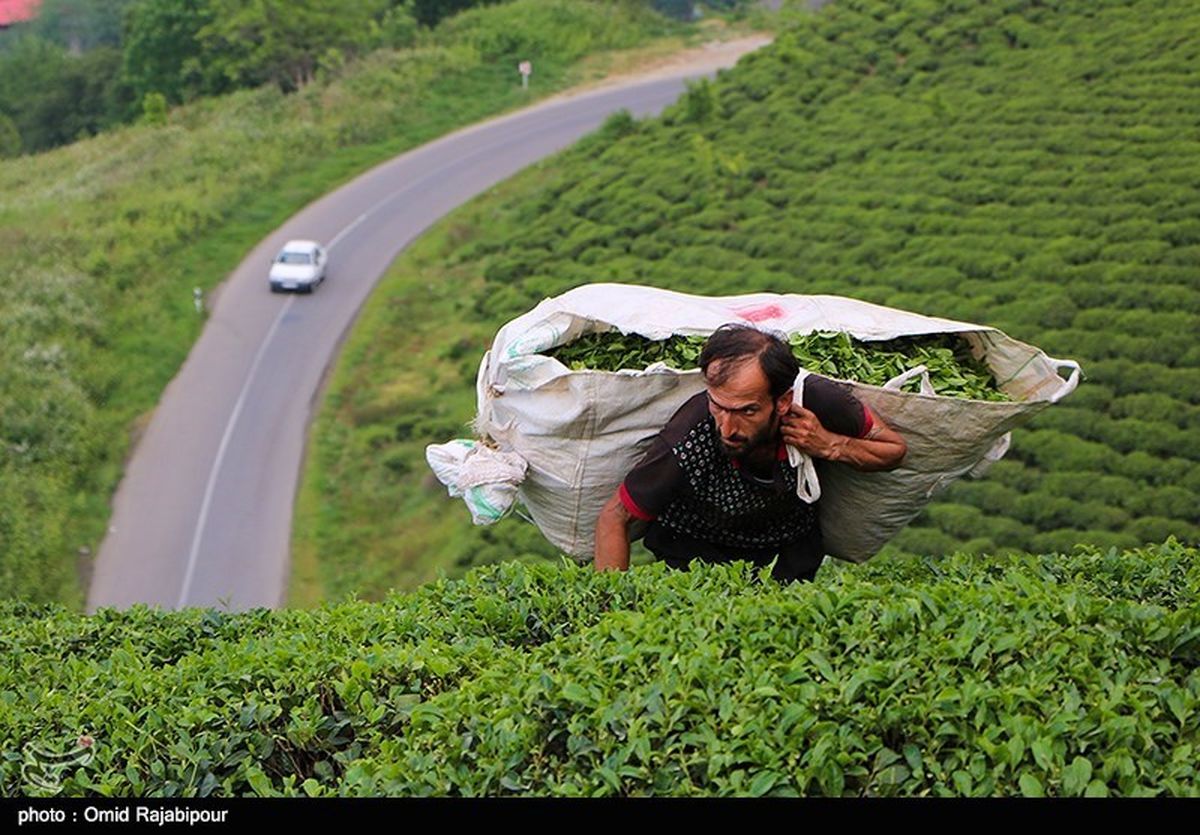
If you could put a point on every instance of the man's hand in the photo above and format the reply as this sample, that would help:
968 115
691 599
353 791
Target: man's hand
612 536
803 430
882 449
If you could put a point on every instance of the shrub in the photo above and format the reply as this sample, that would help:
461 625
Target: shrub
1065 675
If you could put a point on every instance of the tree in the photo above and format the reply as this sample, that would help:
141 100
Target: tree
26 69
10 138
53 98
154 109
281 42
81 25
432 12
163 52
679 9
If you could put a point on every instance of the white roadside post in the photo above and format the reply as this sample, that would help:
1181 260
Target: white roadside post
525 68
198 299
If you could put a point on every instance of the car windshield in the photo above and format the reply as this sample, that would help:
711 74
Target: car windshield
295 258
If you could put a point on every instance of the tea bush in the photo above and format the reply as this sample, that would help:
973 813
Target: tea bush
1058 674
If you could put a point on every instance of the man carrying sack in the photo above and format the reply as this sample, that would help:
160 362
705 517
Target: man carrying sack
717 484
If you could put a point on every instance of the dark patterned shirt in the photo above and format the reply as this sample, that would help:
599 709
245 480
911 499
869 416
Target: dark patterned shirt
703 504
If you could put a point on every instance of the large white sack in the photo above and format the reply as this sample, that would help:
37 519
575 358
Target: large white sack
581 431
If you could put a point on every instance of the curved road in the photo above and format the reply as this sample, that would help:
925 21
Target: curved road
203 514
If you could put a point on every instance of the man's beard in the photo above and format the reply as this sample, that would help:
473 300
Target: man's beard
767 437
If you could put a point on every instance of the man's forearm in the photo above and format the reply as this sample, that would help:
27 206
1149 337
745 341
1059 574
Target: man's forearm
882 449
612 538
865 453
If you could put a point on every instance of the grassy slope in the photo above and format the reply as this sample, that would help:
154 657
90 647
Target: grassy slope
970 675
105 239
1018 166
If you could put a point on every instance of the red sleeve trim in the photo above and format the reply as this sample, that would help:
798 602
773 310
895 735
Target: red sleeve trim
632 506
868 422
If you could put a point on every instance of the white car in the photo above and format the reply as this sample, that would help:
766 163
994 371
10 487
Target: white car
300 265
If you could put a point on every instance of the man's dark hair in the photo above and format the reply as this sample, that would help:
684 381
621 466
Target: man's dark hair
734 344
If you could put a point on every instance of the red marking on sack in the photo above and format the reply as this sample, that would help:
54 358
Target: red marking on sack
761 314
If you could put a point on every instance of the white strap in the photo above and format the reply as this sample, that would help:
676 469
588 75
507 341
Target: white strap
808 488
897 382
1070 383
994 454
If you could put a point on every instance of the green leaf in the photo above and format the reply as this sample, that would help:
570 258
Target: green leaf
821 663
1043 753
792 714
852 686
832 779
912 755
1076 776
575 692
259 782
1176 704
885 757
1016 751
207 785
1031 786
610 777
1096 788
979 653
962 782
762 783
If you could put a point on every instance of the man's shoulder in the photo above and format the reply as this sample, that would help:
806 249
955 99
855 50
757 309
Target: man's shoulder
834 404
821 383
693 413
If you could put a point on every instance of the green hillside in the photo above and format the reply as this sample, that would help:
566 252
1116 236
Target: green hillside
104 240
1029 166
1055 675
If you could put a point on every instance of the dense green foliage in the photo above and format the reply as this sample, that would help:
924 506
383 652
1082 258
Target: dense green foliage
1056 675
49 97
953 372
162 51
613 351
60 75
285 42
431 12
1024 165
76 24
83 66
104 241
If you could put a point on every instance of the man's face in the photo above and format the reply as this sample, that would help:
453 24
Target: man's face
747 418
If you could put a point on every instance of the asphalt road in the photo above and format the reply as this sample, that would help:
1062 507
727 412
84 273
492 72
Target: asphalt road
203 514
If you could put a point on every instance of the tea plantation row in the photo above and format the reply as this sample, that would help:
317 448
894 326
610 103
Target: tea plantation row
1056 674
